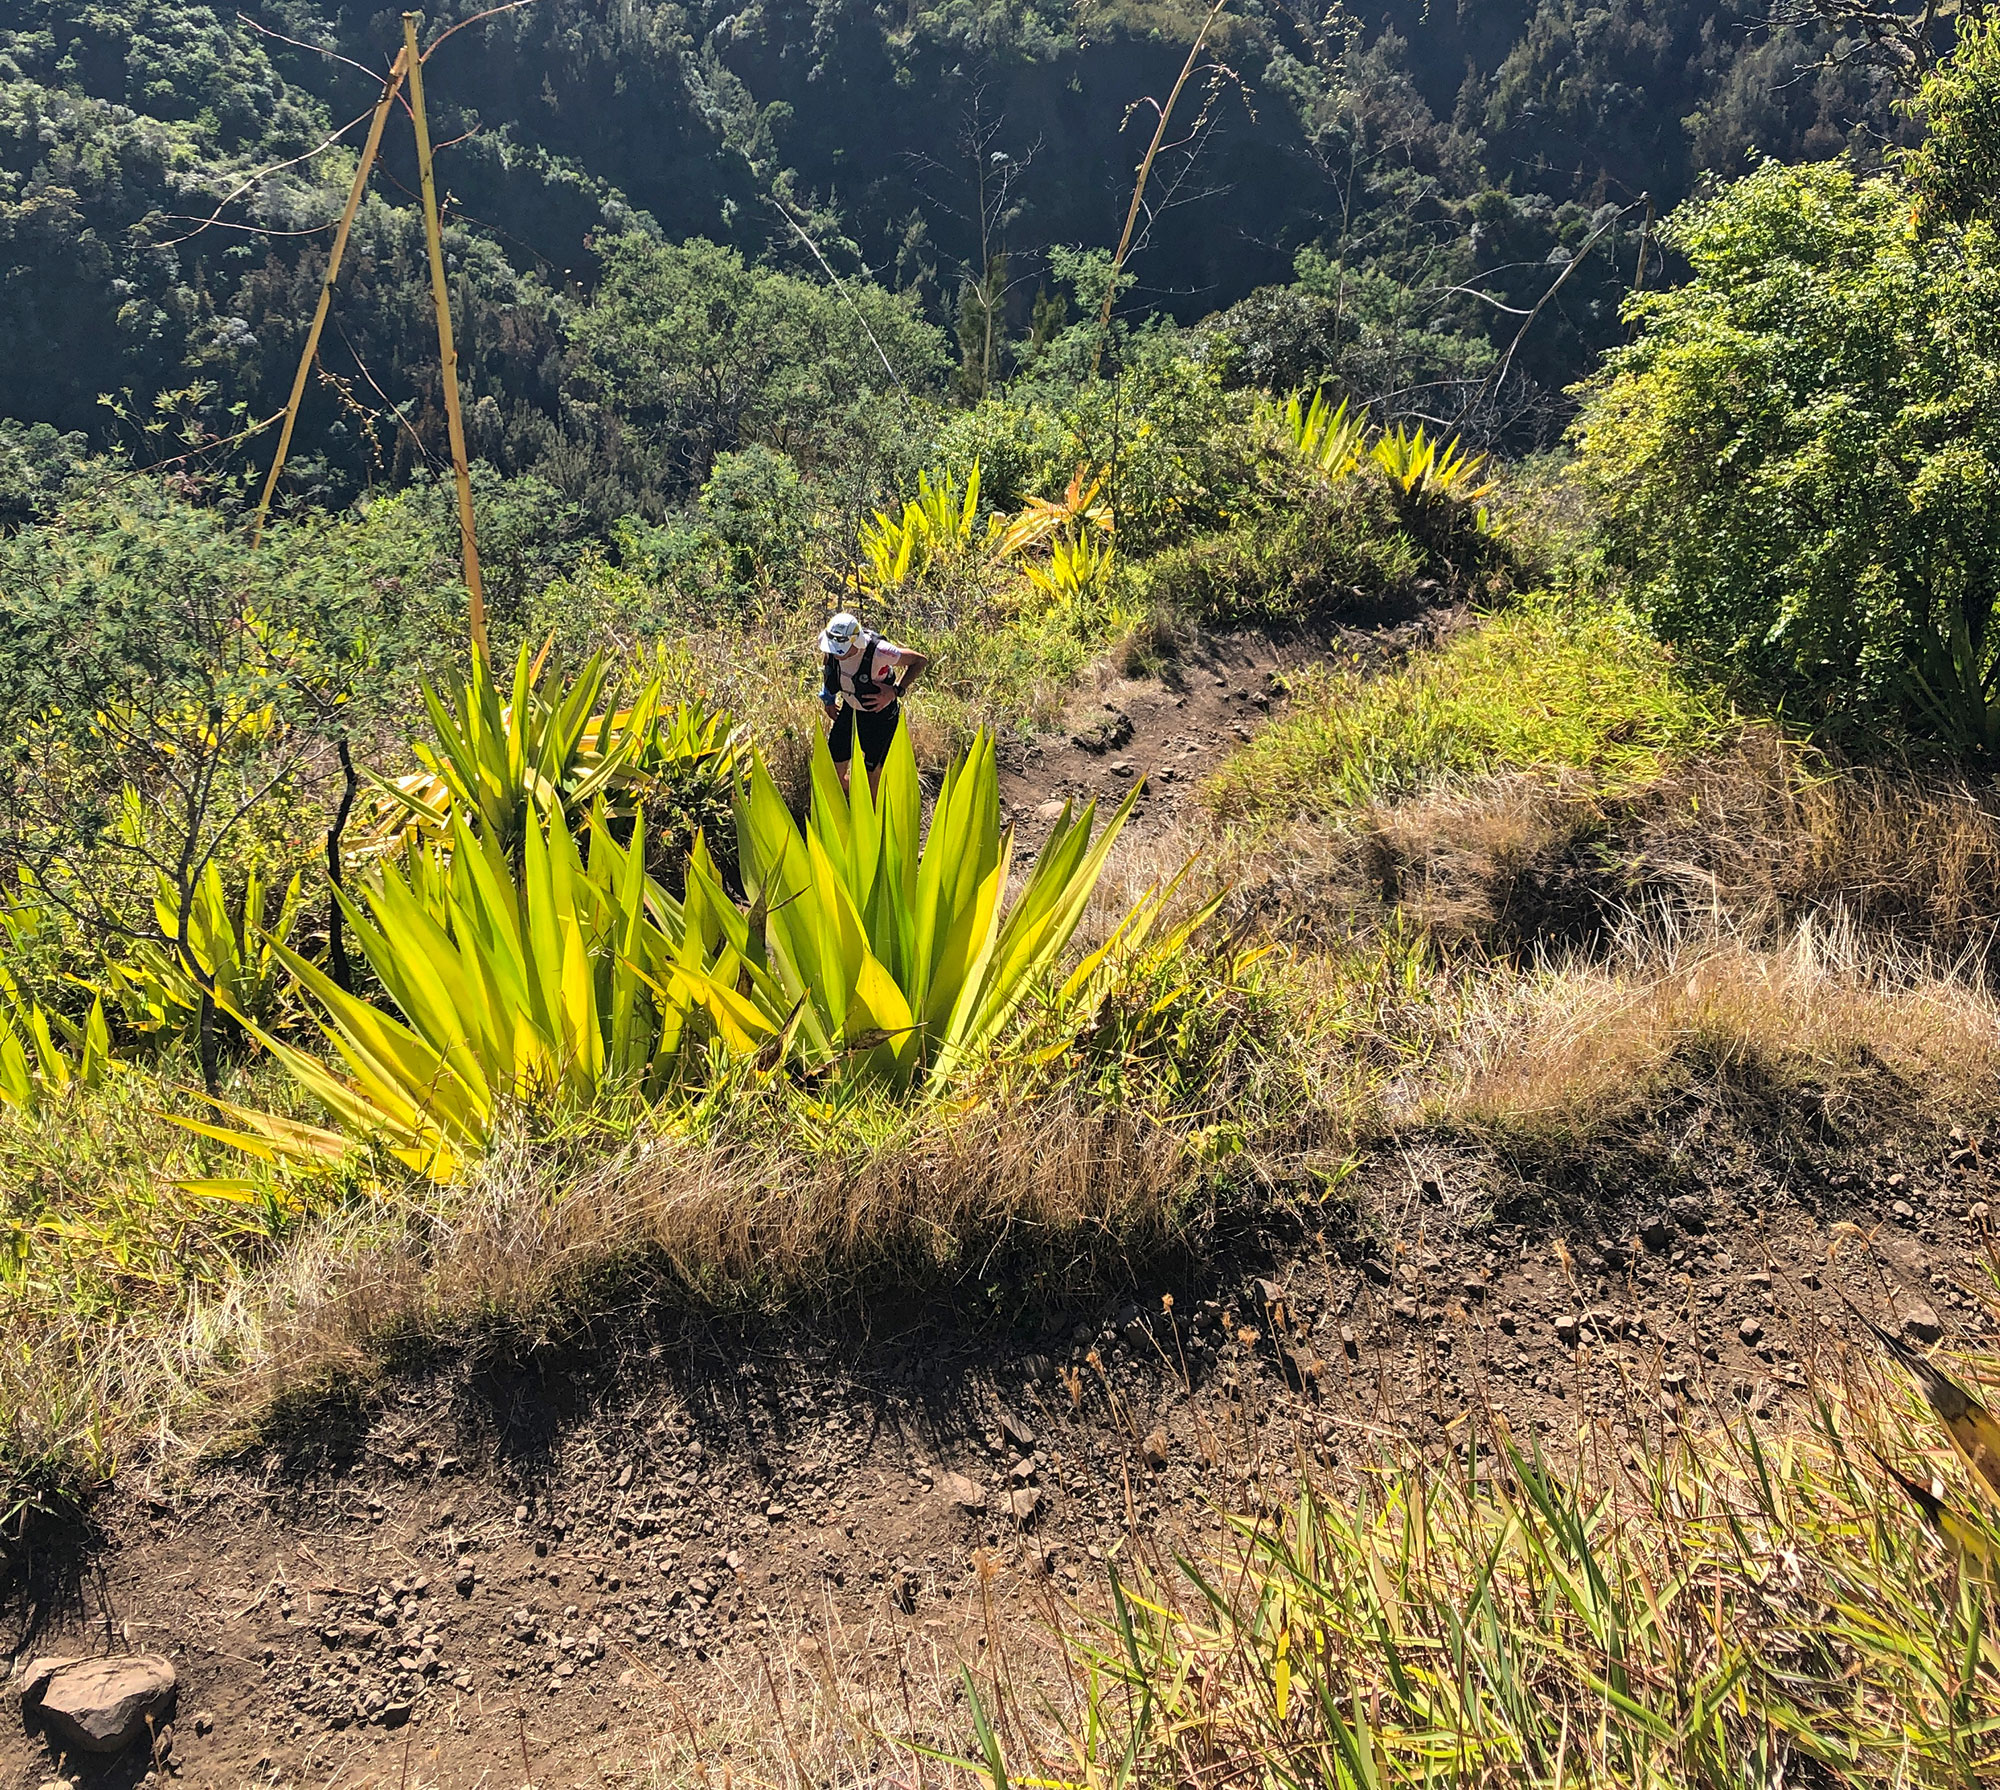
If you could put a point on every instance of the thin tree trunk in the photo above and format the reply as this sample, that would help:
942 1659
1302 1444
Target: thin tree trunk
1145 173
209 1047
336 920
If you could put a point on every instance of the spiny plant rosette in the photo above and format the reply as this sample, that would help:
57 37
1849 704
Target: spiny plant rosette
555 744
571 979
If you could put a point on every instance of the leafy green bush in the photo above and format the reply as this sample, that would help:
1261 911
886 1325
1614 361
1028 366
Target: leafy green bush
703 354
1797 463
1307 548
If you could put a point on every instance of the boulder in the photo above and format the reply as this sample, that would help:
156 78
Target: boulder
104 1705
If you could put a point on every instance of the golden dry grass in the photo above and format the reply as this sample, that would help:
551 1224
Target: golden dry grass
526 1252
1572 1047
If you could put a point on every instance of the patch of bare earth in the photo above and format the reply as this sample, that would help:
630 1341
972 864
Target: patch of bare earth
765 1552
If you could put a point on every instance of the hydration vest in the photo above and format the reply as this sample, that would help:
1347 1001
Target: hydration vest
864 676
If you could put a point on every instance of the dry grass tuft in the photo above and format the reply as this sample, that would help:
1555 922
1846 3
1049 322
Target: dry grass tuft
1570 1048
1764 829
1049 1191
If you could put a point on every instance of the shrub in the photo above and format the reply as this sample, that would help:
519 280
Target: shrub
1797 463
564 984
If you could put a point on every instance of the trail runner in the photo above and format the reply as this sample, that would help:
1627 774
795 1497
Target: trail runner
864 682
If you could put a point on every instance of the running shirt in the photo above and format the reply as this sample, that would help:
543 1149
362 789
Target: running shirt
889 660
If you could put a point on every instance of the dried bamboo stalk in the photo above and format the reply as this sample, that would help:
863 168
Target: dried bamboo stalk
447 353
390 88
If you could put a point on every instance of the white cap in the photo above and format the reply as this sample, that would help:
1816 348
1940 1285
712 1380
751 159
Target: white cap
840 634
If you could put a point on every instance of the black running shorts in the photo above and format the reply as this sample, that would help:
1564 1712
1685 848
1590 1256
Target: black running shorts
877 731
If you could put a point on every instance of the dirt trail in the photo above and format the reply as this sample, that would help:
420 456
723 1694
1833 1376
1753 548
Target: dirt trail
730 1543
1176 728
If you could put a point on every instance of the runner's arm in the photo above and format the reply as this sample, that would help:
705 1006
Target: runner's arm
914 664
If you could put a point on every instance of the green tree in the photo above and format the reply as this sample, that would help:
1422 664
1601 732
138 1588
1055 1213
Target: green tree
1956 169
703 354
1797 461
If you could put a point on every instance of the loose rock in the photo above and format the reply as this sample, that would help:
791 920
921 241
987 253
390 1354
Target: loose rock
1155 1449
104 1705
35 1679
967 1494
1920 1322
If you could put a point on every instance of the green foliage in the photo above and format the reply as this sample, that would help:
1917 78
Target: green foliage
1956 168
557 745
1325 436
539 984
1798 460
36 1047
895 948
1545 688
157 987
702 354
1302 547
1429 471
554 983
936 531
759 509
1415 1626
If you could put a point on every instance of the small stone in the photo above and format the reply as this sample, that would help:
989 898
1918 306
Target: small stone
1406 1309
1509 1323
1123 768
1051 810
204 1721
1567 1329
1348 1340
1920 1323
774 1513
1656 1234
1023 1504
1690 1211
967 1494
1155 1450
1475 1290
1903 1210
1023 1471
104 1705
1749 1330
1017 1432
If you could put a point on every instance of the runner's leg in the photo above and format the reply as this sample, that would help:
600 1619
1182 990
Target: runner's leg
840 742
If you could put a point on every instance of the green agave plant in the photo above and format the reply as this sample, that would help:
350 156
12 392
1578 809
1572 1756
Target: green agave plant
935 529
236 955
554 744
36 1048
1425 468
565 978
900 956
1331 438
548 985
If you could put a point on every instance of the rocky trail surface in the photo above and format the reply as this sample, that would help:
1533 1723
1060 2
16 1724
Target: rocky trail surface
762 1552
